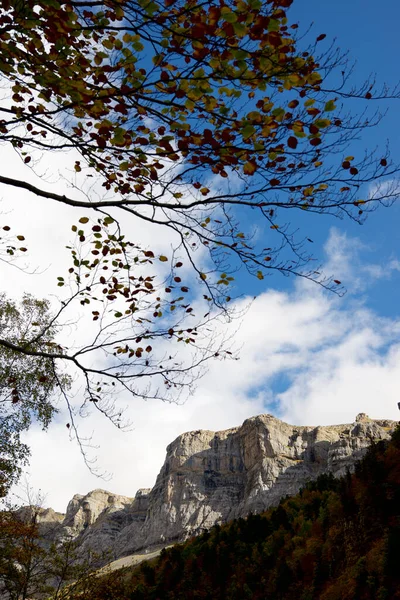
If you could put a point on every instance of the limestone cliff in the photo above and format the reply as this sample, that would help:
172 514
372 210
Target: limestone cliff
210 477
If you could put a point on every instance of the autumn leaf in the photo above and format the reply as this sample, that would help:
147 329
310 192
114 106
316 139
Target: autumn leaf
249 168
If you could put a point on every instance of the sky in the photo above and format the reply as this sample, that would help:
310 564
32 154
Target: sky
306 356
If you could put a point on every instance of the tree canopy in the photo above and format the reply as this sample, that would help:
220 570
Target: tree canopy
28 381
197 117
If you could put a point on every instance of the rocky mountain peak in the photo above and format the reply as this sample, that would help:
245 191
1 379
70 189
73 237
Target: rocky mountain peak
209 477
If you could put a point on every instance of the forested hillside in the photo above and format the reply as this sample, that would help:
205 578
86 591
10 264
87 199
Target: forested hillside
335 540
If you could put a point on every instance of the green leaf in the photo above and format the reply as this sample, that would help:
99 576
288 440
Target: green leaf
247 131
228 15
329 106
274 25
322 123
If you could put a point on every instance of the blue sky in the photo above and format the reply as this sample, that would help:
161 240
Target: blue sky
306 355
371 37
370 33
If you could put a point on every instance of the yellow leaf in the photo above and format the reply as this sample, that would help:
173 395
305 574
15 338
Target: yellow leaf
163 258
249 168
308 191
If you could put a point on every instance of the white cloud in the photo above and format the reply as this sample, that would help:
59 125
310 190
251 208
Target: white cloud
385 192
348 259
338 360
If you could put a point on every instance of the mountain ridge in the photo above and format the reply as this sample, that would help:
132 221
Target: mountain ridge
212 477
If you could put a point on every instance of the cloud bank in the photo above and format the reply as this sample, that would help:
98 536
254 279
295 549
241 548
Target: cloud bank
307 357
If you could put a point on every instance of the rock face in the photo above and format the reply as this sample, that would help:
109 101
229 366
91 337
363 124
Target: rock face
210 477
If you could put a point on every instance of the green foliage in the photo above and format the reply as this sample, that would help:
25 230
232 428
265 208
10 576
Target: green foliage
28 383
335 540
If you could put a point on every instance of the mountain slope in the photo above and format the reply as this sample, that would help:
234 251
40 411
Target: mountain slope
338 539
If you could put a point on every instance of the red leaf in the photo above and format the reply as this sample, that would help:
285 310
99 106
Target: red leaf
337 281
283 3
292 142
274 39
383 162
321 37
